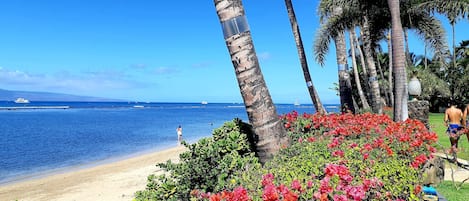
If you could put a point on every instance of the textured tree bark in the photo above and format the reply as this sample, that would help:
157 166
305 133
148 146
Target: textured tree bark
262 114
373 78
363 100
398 62
345 86
304 64
390 80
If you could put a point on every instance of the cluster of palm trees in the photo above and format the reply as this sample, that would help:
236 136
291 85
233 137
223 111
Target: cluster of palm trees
367 23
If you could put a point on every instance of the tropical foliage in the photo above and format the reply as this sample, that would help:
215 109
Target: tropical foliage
333 157
445 69
209 165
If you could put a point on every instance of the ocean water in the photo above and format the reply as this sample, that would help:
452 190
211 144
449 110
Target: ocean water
35 142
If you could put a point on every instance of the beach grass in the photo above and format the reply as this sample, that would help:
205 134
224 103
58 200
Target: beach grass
436 121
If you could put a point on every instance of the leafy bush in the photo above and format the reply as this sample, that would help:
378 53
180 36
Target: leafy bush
338 157
209 165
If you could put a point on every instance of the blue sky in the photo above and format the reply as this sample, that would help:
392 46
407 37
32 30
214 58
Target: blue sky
163 51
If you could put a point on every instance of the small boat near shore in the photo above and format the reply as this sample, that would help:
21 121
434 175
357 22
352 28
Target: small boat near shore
21 100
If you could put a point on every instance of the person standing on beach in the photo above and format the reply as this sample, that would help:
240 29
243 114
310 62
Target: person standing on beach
453 120
179 132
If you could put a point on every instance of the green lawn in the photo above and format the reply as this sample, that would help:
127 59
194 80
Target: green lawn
448 189
437 125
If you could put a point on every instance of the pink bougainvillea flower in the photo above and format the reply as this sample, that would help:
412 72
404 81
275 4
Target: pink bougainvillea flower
340 198
240 194
296 185
267 179
338 153
270 193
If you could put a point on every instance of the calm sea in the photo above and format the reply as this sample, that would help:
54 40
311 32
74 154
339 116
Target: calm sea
34 142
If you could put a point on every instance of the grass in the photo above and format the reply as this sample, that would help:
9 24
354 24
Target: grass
448 189
437 125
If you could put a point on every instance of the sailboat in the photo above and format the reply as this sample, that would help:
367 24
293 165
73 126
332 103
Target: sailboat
21 100
296 103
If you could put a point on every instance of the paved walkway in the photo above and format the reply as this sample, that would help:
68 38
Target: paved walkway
457 173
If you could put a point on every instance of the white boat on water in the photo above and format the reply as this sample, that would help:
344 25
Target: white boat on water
204 103
21 100
296 103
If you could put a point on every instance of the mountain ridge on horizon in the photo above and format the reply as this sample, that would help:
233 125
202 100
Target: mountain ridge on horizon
11 95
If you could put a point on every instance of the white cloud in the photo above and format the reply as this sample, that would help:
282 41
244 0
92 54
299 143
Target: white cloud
202 65
138 66
164 70
67 82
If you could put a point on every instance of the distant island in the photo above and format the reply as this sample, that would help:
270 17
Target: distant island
10 95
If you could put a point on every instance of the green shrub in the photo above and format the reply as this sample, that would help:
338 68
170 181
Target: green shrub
333 157
339 157
306 163
209 165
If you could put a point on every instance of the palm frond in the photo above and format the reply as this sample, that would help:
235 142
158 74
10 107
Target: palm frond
321 45
452 9
432 32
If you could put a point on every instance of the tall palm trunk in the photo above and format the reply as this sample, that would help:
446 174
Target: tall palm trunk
453 69
425 56
363 100
382 87
360 51
304 64
390 86
408 61
363 63
400 77
261 111
345 86
373 79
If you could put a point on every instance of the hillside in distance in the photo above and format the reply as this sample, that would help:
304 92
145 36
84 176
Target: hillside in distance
8 95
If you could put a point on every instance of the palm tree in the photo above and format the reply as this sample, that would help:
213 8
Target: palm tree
374 19
262 114
352 12
398 63
452 9
345 86
304 64
361 95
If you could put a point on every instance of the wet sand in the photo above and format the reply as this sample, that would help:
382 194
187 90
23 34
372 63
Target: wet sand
117 180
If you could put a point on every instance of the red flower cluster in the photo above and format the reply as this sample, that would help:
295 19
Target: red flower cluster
375 137
409 139
238 194
281 192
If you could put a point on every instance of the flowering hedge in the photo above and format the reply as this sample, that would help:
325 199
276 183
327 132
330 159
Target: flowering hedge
339 157
409 139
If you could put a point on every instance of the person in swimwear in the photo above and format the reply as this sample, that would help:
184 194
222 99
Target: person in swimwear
453 119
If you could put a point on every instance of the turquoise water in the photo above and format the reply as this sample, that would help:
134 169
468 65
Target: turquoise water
37 141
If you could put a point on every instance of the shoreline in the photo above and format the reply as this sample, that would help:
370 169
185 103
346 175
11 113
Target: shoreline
28 176
112 179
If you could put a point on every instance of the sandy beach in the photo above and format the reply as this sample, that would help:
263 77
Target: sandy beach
112 181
